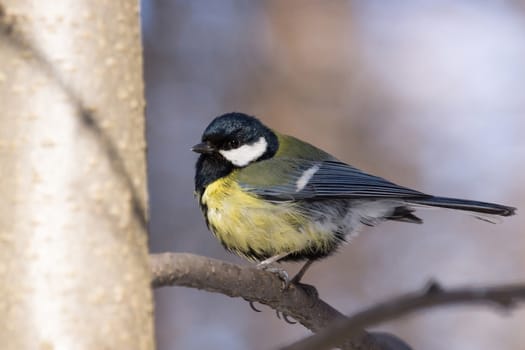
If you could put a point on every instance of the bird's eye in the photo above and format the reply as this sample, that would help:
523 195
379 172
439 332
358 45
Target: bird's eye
232 144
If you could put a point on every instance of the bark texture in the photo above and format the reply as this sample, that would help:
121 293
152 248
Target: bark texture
73 245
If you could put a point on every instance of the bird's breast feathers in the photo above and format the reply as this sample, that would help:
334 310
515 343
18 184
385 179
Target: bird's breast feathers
256 228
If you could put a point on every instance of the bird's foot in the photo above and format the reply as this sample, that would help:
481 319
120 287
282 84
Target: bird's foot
283 276
281 273
308 289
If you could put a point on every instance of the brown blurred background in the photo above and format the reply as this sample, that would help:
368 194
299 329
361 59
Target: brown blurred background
429 94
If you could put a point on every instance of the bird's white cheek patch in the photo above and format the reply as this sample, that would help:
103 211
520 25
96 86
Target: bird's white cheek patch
305 177
246 154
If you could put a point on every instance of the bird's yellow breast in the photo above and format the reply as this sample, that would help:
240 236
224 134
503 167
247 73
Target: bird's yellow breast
255 228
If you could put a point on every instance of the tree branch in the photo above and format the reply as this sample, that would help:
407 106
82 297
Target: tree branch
300 302
505 297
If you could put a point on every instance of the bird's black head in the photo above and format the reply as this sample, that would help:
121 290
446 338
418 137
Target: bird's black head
238 138
232 140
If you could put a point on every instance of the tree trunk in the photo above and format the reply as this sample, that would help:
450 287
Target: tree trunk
73 243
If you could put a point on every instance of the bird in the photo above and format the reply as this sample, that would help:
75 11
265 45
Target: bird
270 197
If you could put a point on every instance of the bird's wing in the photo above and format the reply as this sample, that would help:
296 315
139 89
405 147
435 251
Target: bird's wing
295 179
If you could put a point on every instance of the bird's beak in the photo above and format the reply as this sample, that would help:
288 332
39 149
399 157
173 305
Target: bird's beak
203 147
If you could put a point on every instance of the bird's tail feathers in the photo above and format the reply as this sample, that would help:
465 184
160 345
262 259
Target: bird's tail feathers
481 210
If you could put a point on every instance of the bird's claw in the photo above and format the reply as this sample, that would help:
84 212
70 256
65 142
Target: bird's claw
252 306
280 315
281 273
285 317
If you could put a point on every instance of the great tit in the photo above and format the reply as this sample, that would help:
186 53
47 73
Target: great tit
270 197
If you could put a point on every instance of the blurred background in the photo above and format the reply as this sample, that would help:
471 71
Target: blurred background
429 94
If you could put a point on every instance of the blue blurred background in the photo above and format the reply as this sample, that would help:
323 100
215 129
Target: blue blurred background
429 94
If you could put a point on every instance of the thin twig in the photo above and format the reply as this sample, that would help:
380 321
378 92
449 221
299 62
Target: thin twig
505 297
